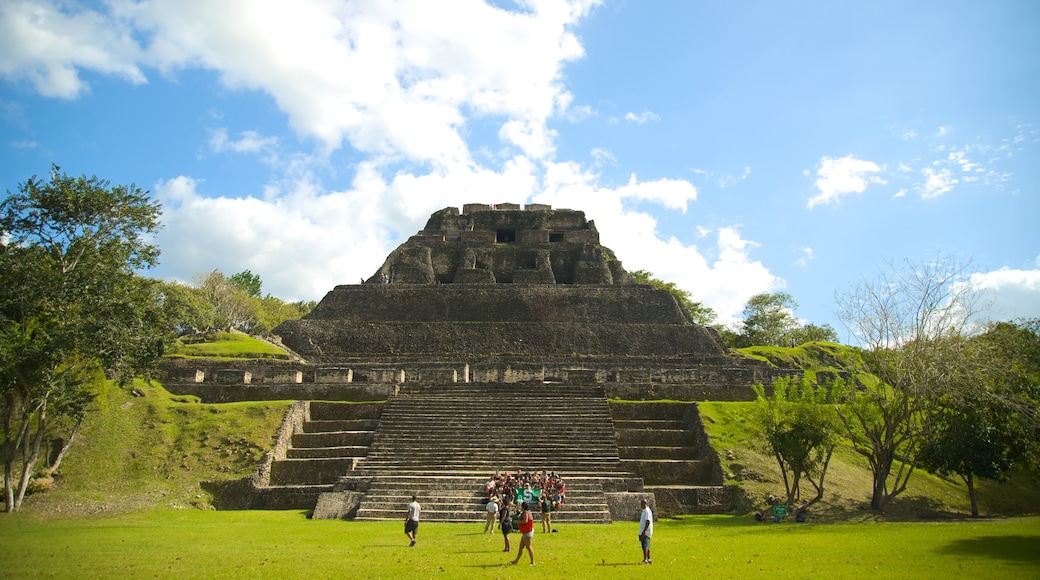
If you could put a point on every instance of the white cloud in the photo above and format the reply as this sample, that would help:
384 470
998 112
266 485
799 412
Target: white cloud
937 182
719 270
805 256
730 180
671 193
248 142
44 45
397 83
838 177
392 79
1011 294
642 117
942 131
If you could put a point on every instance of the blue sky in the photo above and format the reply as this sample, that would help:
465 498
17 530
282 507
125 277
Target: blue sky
730 147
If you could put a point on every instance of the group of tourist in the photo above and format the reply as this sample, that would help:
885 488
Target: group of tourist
504 492
524 523
529 487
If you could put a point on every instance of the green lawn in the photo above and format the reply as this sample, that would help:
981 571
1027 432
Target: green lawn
208 544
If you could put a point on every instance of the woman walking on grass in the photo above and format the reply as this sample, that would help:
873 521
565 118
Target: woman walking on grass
526 528
505 523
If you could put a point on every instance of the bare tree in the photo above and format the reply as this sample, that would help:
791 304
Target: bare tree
910 322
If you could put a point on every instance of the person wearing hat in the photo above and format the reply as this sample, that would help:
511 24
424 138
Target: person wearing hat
492 514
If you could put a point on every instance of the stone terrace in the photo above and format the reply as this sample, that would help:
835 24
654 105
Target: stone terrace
443 443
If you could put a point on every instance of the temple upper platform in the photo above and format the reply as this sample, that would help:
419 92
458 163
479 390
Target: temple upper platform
503 244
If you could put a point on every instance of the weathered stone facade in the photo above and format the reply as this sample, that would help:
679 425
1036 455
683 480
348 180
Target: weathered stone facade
501 295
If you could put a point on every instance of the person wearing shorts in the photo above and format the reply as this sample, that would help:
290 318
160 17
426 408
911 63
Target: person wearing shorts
646 530
526 528
411 521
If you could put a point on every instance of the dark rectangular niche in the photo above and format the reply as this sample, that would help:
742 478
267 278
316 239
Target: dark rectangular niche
555 237
505 236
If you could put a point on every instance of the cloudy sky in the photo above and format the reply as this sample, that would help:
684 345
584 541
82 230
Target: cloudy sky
732 147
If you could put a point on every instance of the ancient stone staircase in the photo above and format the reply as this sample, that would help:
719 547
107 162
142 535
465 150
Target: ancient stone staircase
328 441
665 444
443 442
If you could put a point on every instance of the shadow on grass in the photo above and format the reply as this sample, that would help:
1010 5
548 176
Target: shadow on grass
1016 549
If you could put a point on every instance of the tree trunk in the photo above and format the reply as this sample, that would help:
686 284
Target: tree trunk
8 451
879 497
66 446
971 495
30 457
8 490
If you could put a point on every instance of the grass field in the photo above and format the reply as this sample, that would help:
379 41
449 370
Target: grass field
209 544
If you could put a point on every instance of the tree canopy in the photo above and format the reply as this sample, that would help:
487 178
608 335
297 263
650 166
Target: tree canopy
71 304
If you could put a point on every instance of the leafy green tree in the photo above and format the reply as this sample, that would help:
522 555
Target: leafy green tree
912 323
801 430
814 333
768 321
1013 351
71 305
235 307
247 282
971 440
986 427
185 308
699 313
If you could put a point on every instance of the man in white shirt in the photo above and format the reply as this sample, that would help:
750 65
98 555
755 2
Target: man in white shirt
646 529
492 514
411 522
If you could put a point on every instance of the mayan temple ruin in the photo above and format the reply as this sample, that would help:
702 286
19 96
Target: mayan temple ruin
498 338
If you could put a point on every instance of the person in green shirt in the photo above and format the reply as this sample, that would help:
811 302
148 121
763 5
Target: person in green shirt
547 506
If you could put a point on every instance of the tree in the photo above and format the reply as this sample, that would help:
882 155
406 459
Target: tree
235 308
247 282
768 321
70 306
1013 351
814 333
185 308
800 428
699 313
971 440
983 429
911 323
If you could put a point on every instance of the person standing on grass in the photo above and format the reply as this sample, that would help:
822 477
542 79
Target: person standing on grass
547 506
505 523
492 514
646 529
411 521
526 528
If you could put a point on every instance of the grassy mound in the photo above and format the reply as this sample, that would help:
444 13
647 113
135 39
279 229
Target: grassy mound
159 449
224 345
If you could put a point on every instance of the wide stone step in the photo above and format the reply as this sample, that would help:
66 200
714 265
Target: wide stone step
327 411
648 424
316 452
658 452
340 425
289 472
640 437
332 439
